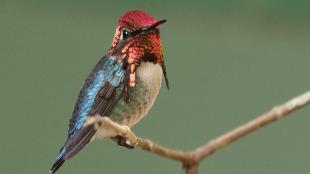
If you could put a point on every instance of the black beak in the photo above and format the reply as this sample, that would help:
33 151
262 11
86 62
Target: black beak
148 28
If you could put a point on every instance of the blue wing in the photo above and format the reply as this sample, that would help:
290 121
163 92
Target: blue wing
101 90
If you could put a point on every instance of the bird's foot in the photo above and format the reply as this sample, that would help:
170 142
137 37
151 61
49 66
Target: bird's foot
122 141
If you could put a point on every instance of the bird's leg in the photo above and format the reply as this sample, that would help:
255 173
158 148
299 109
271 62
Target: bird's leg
122 141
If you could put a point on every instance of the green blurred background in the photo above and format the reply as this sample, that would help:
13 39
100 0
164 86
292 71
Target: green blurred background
227 61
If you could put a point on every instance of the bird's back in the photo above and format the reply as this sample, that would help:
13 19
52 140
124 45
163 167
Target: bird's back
108 70
99 93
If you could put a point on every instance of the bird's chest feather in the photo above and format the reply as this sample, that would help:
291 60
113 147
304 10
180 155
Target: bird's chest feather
142 97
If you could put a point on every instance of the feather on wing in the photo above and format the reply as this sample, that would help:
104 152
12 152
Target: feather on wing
101 90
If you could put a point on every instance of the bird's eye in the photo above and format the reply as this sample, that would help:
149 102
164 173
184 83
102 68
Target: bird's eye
125 34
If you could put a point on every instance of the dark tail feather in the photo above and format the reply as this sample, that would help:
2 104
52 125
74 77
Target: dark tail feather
57 165
73 145
79 140
59 161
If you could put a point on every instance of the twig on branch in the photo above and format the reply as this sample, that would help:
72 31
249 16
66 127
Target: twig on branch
191 159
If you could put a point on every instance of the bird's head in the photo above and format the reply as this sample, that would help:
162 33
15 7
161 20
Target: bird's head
137 39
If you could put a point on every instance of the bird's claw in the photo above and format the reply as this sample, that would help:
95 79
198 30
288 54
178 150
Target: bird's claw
122 141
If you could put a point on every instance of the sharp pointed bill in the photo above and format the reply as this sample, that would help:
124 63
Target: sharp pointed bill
123 85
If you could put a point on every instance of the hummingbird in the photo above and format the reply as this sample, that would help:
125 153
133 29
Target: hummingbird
123 85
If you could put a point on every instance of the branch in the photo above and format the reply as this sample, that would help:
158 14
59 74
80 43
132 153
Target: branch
191 159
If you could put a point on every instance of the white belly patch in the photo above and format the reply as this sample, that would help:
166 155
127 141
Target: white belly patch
142 98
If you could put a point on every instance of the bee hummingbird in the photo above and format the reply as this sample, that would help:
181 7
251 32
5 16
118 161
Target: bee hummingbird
122 86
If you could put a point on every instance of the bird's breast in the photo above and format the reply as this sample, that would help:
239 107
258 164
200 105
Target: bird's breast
141 97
